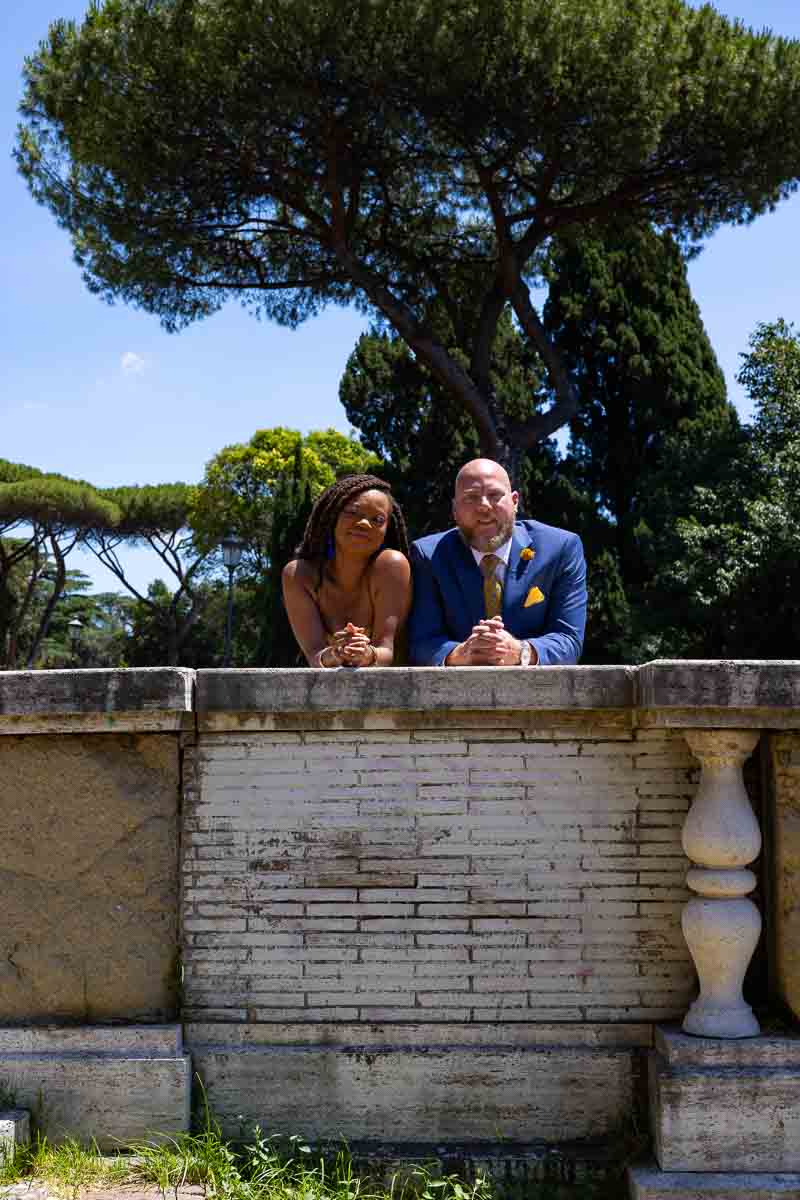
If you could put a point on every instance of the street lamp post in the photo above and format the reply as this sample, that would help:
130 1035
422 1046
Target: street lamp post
232 547
75 628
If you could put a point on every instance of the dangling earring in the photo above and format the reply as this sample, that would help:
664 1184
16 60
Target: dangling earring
330 549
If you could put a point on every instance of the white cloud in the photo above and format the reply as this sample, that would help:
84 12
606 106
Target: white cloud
132 364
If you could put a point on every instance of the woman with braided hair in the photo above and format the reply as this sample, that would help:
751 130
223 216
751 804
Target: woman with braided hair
348 590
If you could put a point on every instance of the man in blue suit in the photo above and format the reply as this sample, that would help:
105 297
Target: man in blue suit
495 591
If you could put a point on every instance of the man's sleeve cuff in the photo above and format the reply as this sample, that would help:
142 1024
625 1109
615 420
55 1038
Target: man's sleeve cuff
442 653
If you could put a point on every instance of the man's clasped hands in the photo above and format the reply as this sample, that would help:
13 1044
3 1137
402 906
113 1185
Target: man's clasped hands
489 645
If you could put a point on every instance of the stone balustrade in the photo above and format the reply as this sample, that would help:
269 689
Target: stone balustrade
381 884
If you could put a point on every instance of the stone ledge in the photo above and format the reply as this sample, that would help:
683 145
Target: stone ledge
413 689
664 693
648 1183
108 700
737 692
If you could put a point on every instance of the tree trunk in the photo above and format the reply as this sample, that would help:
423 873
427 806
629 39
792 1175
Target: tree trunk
58 588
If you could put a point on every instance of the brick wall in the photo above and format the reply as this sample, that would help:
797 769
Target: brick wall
438 875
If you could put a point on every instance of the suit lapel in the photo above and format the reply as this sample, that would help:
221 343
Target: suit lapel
469 579
518 572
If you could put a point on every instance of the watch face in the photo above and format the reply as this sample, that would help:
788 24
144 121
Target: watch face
525 654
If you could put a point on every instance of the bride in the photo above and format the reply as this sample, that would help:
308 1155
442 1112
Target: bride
348 590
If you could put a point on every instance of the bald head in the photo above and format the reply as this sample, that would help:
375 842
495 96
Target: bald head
481 471
484 505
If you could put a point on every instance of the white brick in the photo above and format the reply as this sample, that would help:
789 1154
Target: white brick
374 879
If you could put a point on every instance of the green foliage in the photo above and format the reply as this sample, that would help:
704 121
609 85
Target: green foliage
242 481
55 503
609 620
67 1167
411 422
621 312
104 617
291 509
394 154
157 516
740 563
653 422
144 511
283 1168
55 513
11 472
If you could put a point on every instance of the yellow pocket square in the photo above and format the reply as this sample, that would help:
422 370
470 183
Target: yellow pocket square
534 596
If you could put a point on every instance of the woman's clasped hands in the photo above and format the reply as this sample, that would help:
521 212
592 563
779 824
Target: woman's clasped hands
351 647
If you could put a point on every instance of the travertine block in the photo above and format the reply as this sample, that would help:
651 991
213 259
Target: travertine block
417 1084
725 1106
89 877
115 1085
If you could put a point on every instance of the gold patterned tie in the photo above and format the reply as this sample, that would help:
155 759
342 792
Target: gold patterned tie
492 587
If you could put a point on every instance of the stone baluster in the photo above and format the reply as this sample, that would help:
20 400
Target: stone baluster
720 924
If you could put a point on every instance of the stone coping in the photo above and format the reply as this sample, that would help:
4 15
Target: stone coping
115 700
664 693
415 689
765 1050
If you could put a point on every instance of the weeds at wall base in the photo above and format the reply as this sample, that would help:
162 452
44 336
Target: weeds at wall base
67 1168
256 1167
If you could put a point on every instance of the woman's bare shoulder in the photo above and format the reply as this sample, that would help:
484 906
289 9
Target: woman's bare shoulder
392 565
299 572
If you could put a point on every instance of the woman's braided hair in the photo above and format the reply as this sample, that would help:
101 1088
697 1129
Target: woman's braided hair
329 505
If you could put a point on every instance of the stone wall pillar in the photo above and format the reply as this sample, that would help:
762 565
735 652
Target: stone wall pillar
721 925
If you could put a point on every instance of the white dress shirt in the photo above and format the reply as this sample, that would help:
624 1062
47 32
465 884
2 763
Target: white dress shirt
502 552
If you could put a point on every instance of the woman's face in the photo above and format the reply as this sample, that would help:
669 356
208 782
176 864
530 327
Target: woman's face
361 525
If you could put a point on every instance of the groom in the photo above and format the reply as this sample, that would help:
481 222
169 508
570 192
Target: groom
496 591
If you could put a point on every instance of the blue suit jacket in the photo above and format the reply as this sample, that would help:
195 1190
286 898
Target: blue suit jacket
448 594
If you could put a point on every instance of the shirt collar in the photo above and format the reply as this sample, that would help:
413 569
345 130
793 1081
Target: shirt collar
502 552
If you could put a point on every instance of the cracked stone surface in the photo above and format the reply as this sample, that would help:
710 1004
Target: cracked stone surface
88 877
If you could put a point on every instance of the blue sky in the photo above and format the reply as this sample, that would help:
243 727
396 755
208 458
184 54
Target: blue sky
102 393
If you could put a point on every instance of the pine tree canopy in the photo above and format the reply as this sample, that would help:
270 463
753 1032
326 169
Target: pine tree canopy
149 508
54 502
385 152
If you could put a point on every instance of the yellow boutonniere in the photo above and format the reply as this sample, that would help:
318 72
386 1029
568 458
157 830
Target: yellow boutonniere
534 596
527 554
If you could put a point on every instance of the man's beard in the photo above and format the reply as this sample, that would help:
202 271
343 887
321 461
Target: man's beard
487 543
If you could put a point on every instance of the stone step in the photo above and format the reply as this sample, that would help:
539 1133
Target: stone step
649 1183
116 1085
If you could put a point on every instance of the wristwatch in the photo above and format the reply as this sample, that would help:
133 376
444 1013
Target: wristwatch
525 654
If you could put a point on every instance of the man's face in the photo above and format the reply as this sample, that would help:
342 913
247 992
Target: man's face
484 506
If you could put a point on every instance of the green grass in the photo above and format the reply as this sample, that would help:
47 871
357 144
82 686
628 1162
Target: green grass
68 1168
264 1168
287 1168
